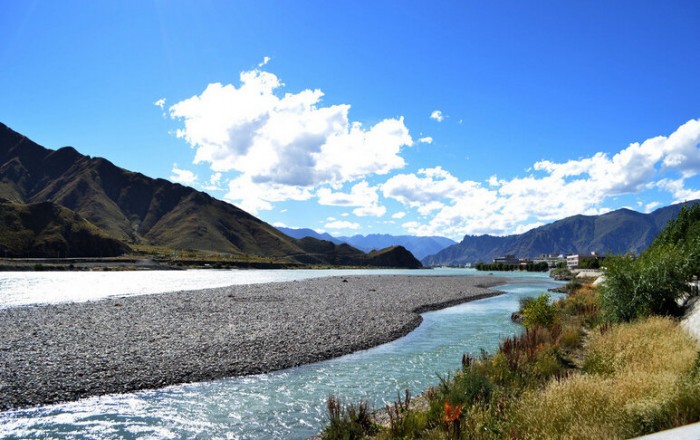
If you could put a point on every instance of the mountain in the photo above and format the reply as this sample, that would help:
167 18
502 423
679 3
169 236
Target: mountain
615 232
346 255
421 247
306 232
137 209
46 230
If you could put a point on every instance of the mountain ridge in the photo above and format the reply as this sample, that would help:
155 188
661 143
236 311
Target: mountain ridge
419 246
617 232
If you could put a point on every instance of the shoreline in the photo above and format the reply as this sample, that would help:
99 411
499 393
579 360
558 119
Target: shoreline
64 352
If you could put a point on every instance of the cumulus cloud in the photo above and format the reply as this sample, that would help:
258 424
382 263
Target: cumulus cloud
426 140
342 224
214 183
398 215
160 103
551 191
678 190
437 115
284 144
185 177
361 195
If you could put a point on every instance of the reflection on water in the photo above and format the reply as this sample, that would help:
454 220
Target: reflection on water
289 403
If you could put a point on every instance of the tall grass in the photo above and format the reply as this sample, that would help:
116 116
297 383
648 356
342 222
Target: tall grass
637 378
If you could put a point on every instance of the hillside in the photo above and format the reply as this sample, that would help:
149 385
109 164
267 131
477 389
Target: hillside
137 209
306 232
46 230
421 247
616 232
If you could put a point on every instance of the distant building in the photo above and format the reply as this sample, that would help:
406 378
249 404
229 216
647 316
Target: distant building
552 260
574 261
508 259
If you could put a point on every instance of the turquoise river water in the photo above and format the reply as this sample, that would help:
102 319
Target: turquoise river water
289 404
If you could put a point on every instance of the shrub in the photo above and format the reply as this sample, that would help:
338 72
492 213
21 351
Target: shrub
645 286
539 312
349 423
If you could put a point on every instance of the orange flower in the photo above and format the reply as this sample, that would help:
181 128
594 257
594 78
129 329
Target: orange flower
452 413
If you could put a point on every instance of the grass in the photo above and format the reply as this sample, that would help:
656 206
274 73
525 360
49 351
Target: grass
570 375
636 379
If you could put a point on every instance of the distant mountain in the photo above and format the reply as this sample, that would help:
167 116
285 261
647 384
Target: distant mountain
46 230
346 255
616 232
421 247
306 232
136 209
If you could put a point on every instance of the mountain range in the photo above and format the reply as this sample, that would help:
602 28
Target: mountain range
420 247
616 232
138 210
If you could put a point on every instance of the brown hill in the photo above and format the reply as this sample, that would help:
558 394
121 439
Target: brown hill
47 230
137 209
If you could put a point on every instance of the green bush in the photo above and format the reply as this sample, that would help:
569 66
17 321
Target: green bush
539 312
648 285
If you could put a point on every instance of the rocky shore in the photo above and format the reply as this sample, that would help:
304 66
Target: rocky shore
65 352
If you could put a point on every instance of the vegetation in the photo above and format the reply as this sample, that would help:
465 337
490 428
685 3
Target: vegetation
628 379
502 267
539 312
606 363
653 283
348 423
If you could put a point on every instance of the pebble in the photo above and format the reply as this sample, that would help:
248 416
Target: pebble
65 352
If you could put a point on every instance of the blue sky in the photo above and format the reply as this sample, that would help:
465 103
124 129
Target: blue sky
427 118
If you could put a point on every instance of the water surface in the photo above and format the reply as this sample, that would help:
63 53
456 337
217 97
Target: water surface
288 403
25 288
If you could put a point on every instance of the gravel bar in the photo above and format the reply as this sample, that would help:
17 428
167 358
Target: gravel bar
65 352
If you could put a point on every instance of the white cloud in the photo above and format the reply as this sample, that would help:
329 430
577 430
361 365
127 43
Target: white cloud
398 215
365 197
551 191
651 206
370 211
284 145
264 61
185 177
255 197
426 140
678 190
681 149
160 103
437 115
342 224
214 183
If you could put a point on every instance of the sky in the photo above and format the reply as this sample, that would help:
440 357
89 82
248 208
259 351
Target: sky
359 117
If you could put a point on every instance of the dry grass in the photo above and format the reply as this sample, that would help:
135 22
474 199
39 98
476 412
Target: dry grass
639 378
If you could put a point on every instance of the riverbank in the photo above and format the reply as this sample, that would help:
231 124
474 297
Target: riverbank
69 351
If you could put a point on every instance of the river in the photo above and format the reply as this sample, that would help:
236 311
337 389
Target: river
285 404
